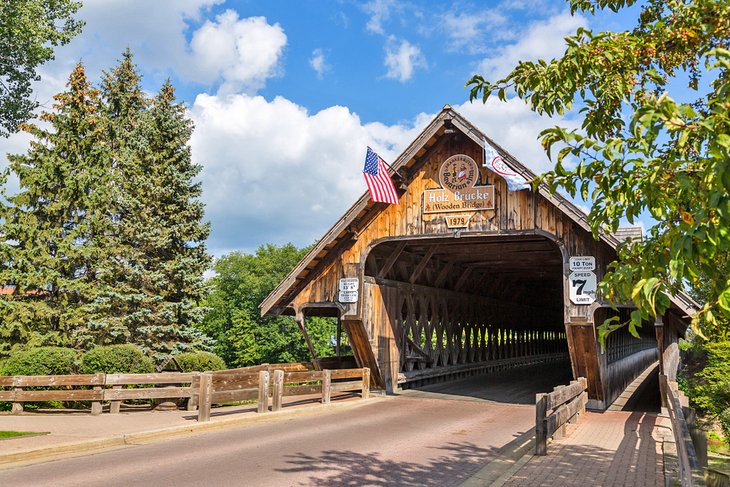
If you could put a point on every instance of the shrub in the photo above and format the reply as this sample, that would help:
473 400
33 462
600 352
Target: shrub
116 359
725 424
41 361
200 361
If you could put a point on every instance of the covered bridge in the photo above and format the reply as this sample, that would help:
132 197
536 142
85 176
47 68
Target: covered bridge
463 274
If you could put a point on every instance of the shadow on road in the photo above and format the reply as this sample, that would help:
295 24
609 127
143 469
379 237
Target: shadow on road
455 463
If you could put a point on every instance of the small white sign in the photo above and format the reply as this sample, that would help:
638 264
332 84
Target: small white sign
583 287
349 284
348 296
584 263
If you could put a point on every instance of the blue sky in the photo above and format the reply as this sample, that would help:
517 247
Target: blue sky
286 95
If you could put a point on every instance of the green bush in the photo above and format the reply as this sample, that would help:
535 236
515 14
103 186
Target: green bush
41 361
116 359
200 361
710 387
724 418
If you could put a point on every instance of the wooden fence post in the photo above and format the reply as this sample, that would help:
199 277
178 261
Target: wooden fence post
540 432
204 397
114 406
560 432
326 386
96 406
365 383
584 384
278 395
17 406
194 388
263 401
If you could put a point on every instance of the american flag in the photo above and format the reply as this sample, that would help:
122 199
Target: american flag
379 183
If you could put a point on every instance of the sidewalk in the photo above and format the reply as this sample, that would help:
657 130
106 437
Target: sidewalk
76 433
611 449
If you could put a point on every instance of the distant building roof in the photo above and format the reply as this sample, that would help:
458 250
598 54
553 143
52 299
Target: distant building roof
625 233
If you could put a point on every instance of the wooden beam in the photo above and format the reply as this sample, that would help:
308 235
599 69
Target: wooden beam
422 265
392 259
441 278
300 321
462 280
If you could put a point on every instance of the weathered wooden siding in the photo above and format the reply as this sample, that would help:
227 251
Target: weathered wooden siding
515 213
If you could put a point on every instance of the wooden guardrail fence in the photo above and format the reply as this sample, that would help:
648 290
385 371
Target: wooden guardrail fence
554 409
690 469
224 386
96 388
257 383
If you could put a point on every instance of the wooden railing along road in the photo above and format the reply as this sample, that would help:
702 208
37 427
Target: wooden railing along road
554 409
202 390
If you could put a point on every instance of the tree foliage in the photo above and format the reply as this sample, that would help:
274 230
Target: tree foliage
243 337
55 227
29 30
104 242
639 152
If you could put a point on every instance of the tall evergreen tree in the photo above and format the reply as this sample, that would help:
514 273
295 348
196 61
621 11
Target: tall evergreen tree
123 105
55 228
164 226
155 281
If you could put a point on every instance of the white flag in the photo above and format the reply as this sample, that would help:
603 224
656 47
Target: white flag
494 161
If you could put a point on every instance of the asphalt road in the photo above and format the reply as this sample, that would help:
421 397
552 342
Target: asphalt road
414 439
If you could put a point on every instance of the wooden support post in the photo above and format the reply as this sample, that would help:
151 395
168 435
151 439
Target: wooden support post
560 432
96 405
300 321
205 396
278 393
584 397
540 430
17 406
326 386
365 383
338 344
659 332
115 406
193 399
263 399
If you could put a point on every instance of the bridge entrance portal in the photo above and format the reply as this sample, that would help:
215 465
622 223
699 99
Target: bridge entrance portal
451 308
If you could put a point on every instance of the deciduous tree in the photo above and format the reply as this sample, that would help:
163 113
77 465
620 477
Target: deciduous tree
29 30
643 151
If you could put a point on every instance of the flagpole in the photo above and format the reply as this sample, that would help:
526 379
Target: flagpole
389 166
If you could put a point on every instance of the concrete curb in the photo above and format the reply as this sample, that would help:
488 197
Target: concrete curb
79 448
497 472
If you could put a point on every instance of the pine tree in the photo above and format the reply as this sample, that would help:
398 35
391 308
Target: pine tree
156 280
55 228
169 230
123 104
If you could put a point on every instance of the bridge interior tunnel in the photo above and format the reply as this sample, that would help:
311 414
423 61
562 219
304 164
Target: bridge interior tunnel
450 308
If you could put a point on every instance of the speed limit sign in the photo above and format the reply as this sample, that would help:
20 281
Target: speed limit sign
583 287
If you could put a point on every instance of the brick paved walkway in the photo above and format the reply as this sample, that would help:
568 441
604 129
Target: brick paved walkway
611 449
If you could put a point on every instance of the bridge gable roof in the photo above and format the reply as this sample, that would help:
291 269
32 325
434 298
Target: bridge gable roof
344 229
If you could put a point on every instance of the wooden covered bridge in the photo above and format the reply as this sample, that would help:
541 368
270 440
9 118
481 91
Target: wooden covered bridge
463 276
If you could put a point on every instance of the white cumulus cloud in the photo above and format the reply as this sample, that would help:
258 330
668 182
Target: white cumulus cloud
541 40
318 63
402 58
280 171
469 31
242 53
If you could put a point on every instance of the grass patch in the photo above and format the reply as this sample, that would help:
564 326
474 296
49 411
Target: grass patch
4 435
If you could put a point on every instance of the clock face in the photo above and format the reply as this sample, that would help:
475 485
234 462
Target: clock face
458 172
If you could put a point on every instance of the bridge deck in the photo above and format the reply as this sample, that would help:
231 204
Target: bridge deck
513 386
611 449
